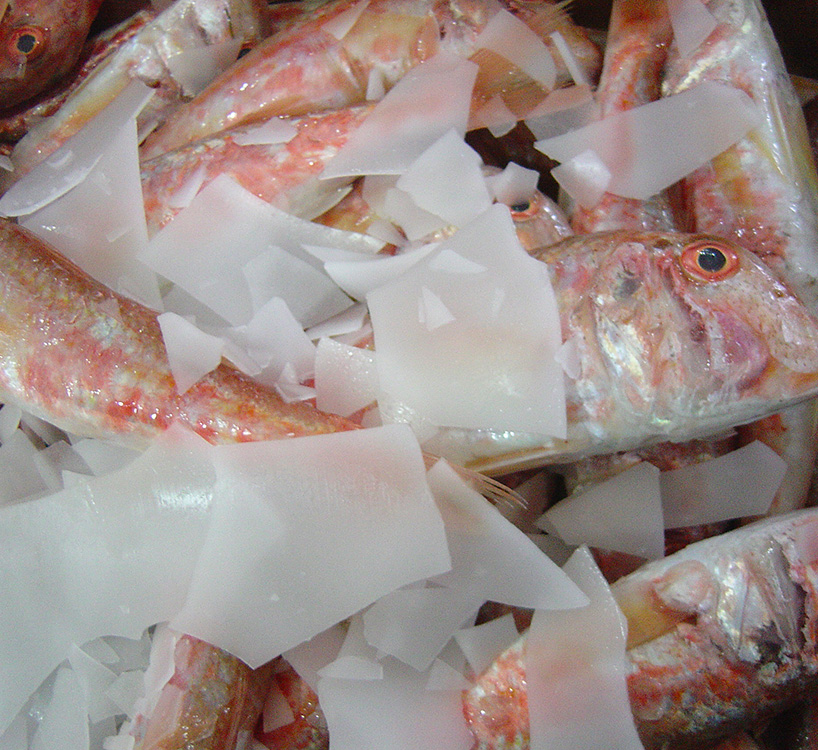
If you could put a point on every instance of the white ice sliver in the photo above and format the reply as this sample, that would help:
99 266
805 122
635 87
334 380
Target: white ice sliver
477 371
512 39
584 177
736 485
576 684
483 643
71 163
649 147
623 513
447 180
398 130
195 67
692 23
109 556
373 527
112 231
346 378
491 557
192 353
227 233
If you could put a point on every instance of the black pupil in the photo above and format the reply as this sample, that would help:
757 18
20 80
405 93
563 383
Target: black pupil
26 43
711 259
521 207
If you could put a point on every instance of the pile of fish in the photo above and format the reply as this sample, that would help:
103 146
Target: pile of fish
654 317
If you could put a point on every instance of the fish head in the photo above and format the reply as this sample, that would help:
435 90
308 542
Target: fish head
680 334
539 221
39 43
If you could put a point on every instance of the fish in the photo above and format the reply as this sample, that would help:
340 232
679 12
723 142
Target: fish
184 24
287 175
17 121
307 69
212 700
762 191
110 375
639 36
538 220
580 475
720 634
40 42
667 350
308 730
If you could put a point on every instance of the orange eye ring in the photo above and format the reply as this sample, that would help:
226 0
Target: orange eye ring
709 260
525 209
27 41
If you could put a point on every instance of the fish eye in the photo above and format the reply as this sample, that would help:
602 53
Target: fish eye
27 41
709 260
525 209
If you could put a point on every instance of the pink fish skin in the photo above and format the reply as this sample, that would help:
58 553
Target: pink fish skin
306 68
665 352
720 635
142 57
210 702
283 174
16 121
39 43
94 363
763 192
639 35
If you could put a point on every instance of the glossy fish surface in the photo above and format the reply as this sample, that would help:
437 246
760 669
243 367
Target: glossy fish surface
94 363
719 634
39 43
666 349
312 66
182 25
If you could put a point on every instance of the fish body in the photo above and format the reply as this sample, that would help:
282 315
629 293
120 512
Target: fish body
662 355
39 43
763 190
94 363
304 69
317 63
721 633
639 35
211 701
183 25
283 174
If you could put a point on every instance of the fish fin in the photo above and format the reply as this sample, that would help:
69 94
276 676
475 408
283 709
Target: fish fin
504 498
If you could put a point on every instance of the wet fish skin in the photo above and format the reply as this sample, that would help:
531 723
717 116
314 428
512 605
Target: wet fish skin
210 702
651 347
721 633
763 190
93 362
662 356
283 174
40 40
182 25
639 35
305 69
16 121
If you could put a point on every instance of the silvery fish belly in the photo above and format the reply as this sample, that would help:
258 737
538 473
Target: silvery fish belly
674 337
